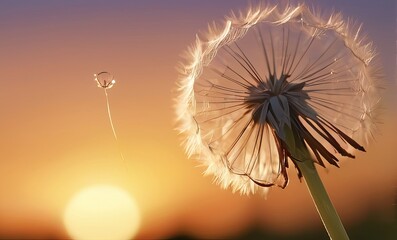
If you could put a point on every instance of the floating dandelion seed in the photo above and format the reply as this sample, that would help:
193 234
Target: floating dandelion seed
106 81
273 84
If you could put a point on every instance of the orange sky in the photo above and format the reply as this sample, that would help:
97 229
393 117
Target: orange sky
56 138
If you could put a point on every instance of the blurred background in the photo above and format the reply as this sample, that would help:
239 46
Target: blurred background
56 138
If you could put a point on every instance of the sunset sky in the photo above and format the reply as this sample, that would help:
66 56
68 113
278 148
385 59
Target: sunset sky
56 139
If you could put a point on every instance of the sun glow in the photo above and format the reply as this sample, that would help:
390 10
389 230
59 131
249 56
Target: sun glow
102 212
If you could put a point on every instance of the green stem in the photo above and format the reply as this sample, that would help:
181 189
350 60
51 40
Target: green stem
325 208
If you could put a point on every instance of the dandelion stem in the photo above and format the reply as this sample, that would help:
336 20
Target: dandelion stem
109 114
114 131
324 206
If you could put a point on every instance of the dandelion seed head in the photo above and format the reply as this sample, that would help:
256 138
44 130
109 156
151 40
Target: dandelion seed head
269 68
104 80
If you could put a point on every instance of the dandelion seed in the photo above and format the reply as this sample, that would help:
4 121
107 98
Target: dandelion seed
106 81
271 69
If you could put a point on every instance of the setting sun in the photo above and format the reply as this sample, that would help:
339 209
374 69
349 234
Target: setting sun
102 212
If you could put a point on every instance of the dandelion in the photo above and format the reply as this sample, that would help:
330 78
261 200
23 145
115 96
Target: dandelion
275 86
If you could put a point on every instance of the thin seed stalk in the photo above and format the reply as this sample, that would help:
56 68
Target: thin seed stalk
324 206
